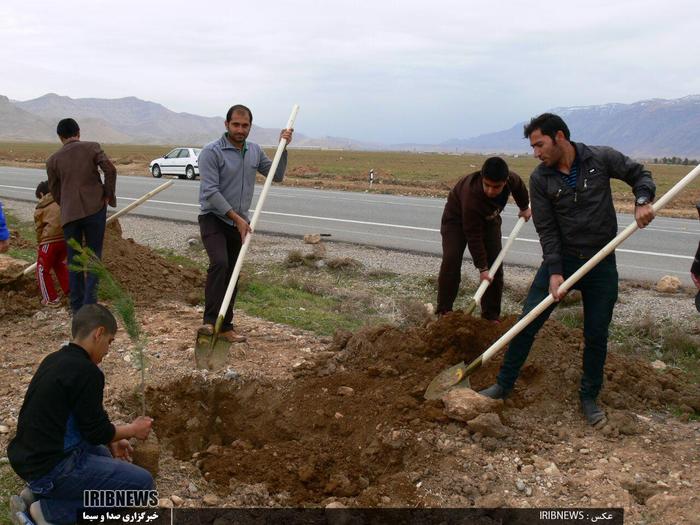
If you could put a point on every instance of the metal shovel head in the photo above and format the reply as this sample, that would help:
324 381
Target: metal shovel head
445 380
211 351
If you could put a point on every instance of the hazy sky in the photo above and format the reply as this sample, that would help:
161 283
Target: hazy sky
389 71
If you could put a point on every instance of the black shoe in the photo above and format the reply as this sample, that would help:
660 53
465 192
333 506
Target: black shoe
594 414
495 391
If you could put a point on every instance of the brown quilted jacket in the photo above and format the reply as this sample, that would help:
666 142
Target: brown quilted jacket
47 220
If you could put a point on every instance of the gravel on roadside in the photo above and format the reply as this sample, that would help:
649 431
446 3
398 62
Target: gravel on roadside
636 301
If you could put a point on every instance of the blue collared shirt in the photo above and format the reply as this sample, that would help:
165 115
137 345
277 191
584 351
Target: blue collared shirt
227 176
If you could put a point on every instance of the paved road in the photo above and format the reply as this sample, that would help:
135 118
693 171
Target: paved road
402 223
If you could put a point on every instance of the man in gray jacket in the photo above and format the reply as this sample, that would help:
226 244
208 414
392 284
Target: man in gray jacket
227 169
573 212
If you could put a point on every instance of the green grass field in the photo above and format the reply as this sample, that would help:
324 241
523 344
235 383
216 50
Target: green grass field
395 172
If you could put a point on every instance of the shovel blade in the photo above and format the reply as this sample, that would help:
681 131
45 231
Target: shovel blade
210 351
446 380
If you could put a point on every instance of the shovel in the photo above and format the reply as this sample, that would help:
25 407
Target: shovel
211 351
496 264
458 375
126 209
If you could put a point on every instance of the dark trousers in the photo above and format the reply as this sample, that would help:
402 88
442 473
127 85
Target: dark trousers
90 232
599 292
223 244
87 467
454 242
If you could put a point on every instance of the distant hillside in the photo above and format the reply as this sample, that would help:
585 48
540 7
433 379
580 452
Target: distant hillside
129 120
650 128
17 124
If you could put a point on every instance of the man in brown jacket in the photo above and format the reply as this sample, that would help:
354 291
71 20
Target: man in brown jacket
472 218
75 183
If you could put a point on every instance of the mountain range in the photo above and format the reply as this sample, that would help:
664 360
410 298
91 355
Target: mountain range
130 120
648 128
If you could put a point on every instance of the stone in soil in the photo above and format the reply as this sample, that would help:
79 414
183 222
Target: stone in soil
488 425
464 404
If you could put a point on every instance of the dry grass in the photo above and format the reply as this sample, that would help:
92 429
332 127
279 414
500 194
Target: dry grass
660 339
406 173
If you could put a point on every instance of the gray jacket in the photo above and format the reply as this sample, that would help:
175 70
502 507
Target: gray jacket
227 177
581 221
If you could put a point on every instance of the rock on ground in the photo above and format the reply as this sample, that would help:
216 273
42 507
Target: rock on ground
464 404
668 284
488 425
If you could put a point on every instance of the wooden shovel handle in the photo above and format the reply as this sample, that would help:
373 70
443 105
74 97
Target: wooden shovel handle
497 263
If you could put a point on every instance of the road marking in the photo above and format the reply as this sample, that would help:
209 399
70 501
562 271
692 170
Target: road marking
18 188
387 225
358 198
639 252
649 228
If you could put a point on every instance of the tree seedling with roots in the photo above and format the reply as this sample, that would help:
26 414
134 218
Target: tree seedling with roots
85 260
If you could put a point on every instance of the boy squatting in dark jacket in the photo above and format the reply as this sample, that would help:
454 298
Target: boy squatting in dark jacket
63 432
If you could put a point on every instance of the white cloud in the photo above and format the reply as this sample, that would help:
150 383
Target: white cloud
383 70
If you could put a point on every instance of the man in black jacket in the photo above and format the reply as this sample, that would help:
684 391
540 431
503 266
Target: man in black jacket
573 212
63 427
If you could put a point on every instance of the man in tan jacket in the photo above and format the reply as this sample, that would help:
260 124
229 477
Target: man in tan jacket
51 247
75 183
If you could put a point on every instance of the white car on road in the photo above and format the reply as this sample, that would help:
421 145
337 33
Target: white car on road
180 161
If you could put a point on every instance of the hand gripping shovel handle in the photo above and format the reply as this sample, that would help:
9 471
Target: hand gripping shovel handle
125 209
566 285
497 263
253 223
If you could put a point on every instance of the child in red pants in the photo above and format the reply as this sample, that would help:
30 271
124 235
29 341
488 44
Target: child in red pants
51 247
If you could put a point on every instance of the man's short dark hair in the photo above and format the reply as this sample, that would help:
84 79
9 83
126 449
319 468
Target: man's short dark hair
239 108
67 128
42 188
495 169
548 124
91 316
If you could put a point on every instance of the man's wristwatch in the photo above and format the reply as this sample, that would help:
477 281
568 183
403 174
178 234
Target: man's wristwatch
641 201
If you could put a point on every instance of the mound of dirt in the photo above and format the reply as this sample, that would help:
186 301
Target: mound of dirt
354 424
19 297
304 171
146 275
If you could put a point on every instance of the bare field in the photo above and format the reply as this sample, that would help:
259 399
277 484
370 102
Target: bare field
405 173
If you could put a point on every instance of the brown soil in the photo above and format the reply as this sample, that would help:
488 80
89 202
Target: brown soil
147 276
144 274
307 440
146 454
298 420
